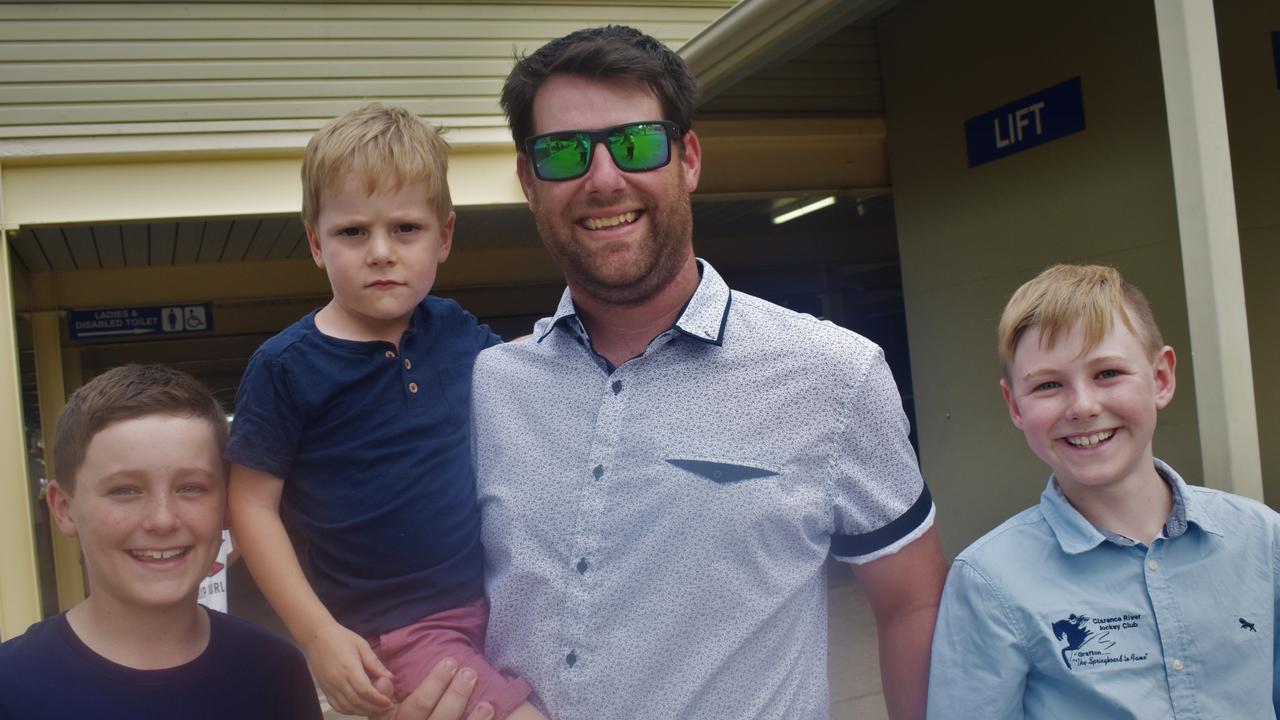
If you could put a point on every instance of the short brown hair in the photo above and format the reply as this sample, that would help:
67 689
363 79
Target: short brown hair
384 145
613 52
125 393
1093 295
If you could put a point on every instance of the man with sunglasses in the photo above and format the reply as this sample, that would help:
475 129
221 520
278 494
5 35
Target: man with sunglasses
664 466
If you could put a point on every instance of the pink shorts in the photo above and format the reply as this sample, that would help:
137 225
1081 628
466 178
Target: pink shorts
411 651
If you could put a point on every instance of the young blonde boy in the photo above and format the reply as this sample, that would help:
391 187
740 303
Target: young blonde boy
139 480
1125 592
353 425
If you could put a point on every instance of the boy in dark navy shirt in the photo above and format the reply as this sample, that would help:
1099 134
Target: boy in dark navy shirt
353 425
138 479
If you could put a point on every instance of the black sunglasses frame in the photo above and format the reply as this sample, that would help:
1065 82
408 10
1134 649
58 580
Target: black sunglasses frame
597 137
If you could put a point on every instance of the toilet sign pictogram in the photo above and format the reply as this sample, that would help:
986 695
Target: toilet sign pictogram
114 323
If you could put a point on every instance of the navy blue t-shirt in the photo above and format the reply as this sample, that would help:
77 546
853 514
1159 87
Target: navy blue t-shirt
245 673
373 443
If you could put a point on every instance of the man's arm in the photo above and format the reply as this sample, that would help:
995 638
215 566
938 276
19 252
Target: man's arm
904 589
343 662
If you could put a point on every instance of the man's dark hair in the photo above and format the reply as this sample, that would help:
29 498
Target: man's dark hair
613 52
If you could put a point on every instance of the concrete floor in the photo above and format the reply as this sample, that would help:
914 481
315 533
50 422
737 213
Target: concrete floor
853 665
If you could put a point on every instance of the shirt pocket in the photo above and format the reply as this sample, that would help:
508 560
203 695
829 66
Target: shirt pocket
724 471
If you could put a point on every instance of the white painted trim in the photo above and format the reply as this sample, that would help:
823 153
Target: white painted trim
755 33
1210 240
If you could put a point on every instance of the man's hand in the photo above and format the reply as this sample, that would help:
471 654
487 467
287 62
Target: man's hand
443 695
346 669
904 589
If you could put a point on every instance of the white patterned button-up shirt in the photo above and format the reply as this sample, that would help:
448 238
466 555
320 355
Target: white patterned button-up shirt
655 534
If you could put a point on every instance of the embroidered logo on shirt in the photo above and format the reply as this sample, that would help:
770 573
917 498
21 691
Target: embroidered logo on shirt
1090 640
1246 625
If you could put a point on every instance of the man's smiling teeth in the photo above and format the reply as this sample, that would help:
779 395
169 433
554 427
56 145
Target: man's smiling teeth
158 554
625 218
1085 441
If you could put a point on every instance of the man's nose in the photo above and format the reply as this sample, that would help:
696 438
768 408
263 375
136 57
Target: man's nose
603 175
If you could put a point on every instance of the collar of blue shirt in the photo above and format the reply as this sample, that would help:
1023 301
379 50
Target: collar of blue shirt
1076 534
703 318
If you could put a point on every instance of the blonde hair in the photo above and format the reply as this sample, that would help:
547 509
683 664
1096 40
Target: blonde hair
386 146
1092 295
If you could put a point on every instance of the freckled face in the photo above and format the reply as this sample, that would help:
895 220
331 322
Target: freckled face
148 509
380 251
1089 415
620 237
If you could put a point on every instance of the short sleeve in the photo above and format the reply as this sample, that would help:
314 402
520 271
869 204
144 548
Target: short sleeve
979 667
267 427
881 502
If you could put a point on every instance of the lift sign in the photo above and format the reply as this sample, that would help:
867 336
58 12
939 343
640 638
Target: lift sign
1033 120
108 323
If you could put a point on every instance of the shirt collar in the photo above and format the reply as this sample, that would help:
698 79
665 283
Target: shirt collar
704 317
1076 534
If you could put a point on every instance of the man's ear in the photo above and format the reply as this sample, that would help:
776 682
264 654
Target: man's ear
313 242
691 160
1165 378
1012 402
60 508
525 172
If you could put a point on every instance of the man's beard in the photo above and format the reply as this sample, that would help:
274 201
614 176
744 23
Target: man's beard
660 256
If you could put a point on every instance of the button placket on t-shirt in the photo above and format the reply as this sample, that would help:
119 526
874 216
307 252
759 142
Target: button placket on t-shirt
412 389
585 559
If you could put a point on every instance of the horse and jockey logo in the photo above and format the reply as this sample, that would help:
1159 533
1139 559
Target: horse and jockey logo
1073 630
1090 641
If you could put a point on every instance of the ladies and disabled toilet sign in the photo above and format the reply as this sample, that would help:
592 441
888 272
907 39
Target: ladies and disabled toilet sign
109 323
1036 119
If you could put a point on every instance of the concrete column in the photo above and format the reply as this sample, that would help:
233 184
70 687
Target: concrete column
47 339
1210 245
19 586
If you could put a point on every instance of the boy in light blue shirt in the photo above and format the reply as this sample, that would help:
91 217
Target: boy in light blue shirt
1125 593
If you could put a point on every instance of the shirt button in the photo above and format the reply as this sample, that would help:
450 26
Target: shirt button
1153 565
413 387
598 472
582 566
571 658
1178 664
408 365
391 353
617 386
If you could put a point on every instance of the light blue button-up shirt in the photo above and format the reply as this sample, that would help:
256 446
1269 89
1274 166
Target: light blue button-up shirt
1048 617
655 534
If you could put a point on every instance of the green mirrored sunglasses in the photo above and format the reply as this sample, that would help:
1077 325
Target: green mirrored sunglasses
634 147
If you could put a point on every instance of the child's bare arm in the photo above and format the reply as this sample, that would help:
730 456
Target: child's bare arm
341 660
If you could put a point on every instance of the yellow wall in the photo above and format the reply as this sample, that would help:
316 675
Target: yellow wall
969 237
1253 116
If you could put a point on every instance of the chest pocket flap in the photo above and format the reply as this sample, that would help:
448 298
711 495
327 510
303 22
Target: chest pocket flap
722 472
